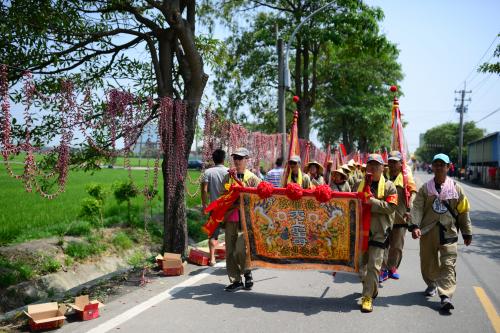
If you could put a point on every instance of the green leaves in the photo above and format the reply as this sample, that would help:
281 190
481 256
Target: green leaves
444 139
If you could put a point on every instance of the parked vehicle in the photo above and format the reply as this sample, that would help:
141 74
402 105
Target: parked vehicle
195 164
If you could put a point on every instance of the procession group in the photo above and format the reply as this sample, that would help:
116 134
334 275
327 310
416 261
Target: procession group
434 214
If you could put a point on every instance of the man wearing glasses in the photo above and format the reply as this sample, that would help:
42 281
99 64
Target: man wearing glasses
235 242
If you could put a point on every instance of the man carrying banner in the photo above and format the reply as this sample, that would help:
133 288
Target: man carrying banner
383 202
235 243
339 182
315 172
440 209
295 175
394 252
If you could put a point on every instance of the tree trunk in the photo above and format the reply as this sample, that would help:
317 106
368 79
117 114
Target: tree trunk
182 46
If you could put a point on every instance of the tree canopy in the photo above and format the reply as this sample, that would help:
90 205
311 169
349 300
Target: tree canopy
339 55
444 139
146 47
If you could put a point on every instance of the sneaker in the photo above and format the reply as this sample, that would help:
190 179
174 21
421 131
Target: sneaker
366 304
248 281
234 286
446 304
430 291
384 275
393 273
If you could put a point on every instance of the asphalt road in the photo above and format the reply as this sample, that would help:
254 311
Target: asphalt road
311 301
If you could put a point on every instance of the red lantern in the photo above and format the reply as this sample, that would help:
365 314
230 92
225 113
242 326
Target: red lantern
294 191
265 190
394 88
296 99
323 193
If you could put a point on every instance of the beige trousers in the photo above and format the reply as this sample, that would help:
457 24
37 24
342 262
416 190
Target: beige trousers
438 262
235 252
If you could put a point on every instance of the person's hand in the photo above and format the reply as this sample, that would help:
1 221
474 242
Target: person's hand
416 234
203 207
406 216
467 241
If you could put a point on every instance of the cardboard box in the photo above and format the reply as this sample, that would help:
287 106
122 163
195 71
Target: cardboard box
170 264
85 308
174 270
199 257
46 316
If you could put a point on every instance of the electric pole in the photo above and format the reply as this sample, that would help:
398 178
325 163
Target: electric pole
462 108
281 98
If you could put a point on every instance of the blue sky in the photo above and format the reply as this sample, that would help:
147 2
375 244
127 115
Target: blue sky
441 42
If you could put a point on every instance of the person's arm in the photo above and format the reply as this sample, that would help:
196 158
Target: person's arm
387 205
464 222
416 214
204 195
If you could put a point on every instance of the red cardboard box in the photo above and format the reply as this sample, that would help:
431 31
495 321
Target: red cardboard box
220 252
170 264
174 271
199 257
46 316
85 308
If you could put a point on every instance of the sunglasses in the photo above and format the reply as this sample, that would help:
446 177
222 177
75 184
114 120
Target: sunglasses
292 163
237 158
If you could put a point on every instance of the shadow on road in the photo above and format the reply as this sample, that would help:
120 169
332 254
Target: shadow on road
414 298
214 294
484 243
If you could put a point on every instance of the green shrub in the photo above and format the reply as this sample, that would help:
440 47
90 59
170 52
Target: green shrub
80 250
122 241
194 223
50 265
138 260
124 192
12 272
79 228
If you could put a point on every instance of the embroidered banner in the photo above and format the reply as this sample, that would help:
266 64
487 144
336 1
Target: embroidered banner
301 234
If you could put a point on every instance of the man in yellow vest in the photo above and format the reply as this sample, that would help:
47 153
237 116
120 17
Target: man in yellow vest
394 251
295 174
383 202
440 210
235 242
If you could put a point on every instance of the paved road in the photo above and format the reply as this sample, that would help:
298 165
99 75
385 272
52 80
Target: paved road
310 301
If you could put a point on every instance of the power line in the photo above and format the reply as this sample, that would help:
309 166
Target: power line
474 69
488 115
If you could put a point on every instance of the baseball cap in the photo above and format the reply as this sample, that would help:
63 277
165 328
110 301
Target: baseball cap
442 157
395 156
375 157
243 152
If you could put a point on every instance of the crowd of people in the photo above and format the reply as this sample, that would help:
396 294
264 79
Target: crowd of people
434 214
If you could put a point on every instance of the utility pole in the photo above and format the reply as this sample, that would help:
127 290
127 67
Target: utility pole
462 108
281 97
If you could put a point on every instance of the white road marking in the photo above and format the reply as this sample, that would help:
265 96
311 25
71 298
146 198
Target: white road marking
136 310
486 191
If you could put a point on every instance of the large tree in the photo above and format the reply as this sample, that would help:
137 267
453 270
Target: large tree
444 139
152 44
249 77
355 102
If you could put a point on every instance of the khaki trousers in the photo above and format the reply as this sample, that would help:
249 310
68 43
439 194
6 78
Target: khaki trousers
394 252
371 264
438 262
235 252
